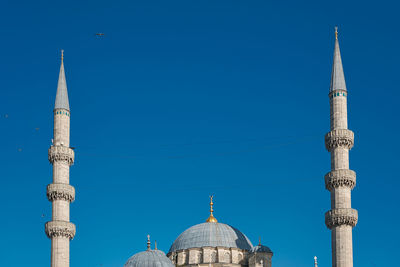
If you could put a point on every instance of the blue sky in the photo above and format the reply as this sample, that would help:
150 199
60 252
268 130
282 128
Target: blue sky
183 99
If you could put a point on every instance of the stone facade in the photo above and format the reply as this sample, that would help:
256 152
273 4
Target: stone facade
219 256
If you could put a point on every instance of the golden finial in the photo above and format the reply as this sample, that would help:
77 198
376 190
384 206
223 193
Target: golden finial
259 240
211 218
148 243
336 32
62 55
155 244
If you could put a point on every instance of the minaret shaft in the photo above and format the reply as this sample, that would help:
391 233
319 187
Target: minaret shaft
341 180
61 128
60 193
338 112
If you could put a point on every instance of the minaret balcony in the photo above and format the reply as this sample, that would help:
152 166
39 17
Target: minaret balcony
340 178
61 153
60 192
339 138
338 217
60 229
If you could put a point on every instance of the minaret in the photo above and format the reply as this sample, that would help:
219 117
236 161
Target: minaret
340 180
60 193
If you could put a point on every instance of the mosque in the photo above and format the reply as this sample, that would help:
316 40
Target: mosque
212 243
206 244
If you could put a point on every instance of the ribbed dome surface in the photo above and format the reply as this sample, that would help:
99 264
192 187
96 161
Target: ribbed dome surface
149 258
211 234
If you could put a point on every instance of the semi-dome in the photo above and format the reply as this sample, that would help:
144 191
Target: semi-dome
211 234
149 258
261 248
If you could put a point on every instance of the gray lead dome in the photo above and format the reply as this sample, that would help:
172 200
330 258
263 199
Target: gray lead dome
149 258
211 234
261 248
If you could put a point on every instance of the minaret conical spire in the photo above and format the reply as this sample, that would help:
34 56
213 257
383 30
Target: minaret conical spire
337 78
62 92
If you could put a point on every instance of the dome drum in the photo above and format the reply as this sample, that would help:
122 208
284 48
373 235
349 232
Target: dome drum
207 255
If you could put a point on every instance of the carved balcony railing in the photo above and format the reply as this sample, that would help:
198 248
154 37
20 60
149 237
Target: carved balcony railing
338 217
60 191
340 178
61 153
60 229
339 138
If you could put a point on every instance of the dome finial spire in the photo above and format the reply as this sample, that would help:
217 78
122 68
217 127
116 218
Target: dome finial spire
62 55
315 261
211 218
148 243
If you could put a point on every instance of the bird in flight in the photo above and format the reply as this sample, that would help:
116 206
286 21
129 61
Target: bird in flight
100 34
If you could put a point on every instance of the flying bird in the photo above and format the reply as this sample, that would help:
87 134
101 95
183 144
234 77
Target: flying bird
100 34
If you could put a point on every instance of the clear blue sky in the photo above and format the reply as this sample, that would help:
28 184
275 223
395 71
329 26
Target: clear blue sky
183 99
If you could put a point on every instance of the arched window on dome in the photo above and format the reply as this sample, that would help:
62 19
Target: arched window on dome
227 257
240 257
214 256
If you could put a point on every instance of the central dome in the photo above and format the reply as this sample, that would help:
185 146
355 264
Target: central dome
211 234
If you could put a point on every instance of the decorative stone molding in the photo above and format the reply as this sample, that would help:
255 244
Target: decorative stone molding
338 217
339 138
340 178
60 229
61 153
61 191
337 92
208 255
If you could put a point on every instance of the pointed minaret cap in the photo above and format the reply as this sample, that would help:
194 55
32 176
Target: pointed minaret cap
62 93
337 78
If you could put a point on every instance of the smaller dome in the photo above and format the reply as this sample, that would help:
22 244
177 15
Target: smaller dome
149 258
261 248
